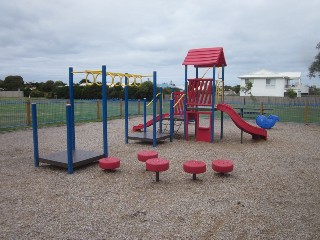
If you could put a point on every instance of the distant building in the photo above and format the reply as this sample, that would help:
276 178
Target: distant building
266 83
167 85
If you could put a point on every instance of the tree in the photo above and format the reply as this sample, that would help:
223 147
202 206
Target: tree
36 93
291 93
247 90
313 90
236 89
315 66
59 83
145 90
84 81
48 86
13 83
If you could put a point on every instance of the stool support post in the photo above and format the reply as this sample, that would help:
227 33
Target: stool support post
157 176
194 176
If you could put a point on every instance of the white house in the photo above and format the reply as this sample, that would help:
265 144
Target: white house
266 83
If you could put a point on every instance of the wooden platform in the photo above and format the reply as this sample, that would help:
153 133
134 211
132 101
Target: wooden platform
80 158
147 136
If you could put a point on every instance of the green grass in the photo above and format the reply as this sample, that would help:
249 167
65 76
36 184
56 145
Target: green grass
13 112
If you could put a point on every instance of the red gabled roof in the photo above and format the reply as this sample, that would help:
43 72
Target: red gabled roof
205 57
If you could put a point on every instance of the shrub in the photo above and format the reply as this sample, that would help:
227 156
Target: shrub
291 93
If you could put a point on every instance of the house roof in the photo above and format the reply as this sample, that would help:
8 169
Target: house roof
267 74
205 57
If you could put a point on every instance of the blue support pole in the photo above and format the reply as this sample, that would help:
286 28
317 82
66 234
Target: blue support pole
154 109
71 99
126 111
221 118
35 135
69 138
144 115
171 119
185 101
213 102
160 112
104 111
197 72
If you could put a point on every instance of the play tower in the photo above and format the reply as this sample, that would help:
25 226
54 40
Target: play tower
202 94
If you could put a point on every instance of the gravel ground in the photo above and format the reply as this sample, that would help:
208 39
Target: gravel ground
273 192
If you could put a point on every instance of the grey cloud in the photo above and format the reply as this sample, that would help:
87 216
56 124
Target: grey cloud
41 39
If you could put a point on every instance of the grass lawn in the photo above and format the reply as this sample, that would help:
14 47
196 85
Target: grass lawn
14 114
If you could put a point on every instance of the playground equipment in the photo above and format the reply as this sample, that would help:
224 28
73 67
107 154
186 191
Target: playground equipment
140 127
109 163
157 165
200 93
202 96
222 166
144 155
267 122
72 157
257 133
146 136
194 167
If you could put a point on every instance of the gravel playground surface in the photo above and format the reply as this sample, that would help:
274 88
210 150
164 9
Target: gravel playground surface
273 192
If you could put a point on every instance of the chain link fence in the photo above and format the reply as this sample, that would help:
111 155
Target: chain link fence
17 113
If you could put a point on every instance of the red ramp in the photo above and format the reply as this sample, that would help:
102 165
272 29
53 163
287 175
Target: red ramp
256 132
140 127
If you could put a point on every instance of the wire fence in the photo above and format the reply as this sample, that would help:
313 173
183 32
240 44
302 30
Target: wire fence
17 113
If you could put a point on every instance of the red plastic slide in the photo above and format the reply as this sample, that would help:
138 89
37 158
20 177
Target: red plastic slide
140 127
256 132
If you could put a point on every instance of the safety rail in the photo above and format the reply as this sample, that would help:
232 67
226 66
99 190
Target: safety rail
152 100
179 104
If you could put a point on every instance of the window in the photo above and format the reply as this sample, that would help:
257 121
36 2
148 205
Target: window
270 83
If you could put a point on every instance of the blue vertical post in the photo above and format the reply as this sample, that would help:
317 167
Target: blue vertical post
185 101
197 72
160 112
171 119
104 111
154 108
145 115
35 135
126 111
221 118
69 138
213 102
71 99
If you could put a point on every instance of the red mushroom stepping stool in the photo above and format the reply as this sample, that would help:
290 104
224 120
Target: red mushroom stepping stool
109 163
157 165
222 166
144 155
194 167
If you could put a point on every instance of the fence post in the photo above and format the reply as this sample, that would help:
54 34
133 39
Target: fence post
28 107
138 106
98 109
120 102
306 111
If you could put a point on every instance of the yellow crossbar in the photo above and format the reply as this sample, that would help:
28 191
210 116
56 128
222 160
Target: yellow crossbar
113 75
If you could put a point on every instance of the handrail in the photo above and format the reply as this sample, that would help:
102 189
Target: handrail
178 100
152 100
208 70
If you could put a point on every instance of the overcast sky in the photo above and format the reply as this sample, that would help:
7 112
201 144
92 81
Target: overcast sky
40 39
